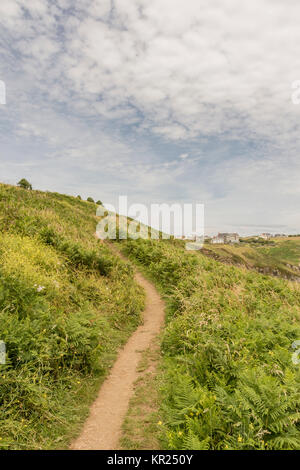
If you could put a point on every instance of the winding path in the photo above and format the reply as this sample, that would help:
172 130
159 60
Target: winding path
103 428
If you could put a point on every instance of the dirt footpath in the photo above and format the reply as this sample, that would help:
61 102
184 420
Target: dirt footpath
103 428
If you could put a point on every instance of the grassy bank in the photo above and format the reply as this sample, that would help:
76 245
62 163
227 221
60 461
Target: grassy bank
279 256
228 378
66 305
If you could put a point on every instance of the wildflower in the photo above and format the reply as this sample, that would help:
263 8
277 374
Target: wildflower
180 433
159 423
40 288
240 439
226 447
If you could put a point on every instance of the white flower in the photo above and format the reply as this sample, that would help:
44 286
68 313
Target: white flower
40 288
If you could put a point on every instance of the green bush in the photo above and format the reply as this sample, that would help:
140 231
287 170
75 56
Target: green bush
23 183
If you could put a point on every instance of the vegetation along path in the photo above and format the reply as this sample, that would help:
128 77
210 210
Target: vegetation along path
103 428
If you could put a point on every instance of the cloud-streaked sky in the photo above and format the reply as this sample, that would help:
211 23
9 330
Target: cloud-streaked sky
161 100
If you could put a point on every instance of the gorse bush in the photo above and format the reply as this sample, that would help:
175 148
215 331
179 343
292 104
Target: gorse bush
66 305
229 381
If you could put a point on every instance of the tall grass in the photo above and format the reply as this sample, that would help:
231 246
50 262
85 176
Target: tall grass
229 381
66 305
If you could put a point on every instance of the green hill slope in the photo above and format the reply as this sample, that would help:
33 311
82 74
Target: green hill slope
228 379
66 305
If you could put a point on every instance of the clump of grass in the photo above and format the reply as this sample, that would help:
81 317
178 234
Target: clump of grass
228 378
66 305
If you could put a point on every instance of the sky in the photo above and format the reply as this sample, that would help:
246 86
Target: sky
164 101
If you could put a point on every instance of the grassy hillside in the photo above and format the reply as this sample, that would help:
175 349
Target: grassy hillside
279 256
228 377
66 305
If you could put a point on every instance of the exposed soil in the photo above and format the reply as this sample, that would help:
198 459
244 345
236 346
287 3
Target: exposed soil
103 428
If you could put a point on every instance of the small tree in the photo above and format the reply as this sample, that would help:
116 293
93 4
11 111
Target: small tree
99 203
90 199
23 183
79 197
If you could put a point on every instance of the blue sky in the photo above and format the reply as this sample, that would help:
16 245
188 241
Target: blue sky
162 101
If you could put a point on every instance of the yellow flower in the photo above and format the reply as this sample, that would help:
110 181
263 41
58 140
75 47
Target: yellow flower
226 447
240 439
180 433
159 423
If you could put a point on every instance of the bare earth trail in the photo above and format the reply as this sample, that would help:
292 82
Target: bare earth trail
103 428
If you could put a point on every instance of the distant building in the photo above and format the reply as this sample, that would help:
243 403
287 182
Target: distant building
280 235
265 236
226 238
230 237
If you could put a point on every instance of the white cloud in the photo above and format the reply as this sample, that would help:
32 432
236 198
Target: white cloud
193 68
189 68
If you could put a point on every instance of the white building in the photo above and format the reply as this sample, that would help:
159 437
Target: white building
217 239
265 236
226 238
